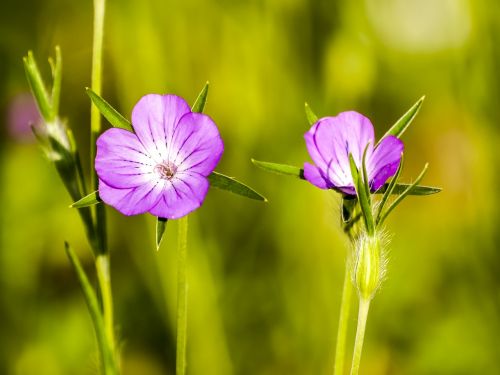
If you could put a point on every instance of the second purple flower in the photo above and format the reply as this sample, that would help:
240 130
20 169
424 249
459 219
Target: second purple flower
329 143
162 168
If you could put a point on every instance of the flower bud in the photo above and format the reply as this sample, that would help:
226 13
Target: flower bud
370 264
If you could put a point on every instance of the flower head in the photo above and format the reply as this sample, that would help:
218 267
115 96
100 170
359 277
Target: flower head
162 168
329 143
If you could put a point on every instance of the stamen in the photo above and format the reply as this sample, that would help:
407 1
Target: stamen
166 170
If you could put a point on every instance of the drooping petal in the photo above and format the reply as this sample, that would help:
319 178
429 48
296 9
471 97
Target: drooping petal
132 201
155 118
330 141
181 195
121 160
385 161
314 176
196 144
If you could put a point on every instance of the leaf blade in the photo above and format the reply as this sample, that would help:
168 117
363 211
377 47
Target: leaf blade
402 195
88 200
114 117
404 121
363 197
38 87
93 307
223 182
161 226
283 169
311 116
201 100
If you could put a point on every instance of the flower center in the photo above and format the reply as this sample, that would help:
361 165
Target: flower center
166 170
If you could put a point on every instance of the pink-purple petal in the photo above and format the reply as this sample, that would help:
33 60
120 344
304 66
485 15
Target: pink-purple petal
331 140
121 160
184 194
155 118
132 201
385 161
197 143
314 176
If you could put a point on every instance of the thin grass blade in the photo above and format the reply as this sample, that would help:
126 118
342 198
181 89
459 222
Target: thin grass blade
93 307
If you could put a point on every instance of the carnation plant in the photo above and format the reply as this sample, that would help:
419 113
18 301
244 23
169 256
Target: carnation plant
348 161
161 163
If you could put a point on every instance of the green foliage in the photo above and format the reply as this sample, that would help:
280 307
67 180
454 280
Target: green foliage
223 182
404 122
112 115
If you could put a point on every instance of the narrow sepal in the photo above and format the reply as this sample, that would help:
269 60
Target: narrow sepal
404 122
57 79
311 116
201 100
398 200
416 190
89 200
112 115
390 188
220 181
288 170
363 196
38 87
161 226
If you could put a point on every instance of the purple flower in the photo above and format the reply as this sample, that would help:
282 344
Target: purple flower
162 168
329 143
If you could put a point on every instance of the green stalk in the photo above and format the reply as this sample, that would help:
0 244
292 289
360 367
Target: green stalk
181 297
104 280
95 116
364 307
345 310
102 258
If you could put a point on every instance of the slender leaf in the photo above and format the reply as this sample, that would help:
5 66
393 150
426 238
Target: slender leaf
389 189
402 124
416 190
93 307
38 87
57 79
402 195
88 200
201 100
112 115
283 169
362 196
311 116
161 226
223 182
366 180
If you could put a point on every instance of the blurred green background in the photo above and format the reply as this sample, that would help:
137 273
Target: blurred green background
265 279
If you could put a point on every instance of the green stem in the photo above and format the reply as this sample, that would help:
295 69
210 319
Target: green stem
95 116
102 257
364 307
345 310
182 290
104 280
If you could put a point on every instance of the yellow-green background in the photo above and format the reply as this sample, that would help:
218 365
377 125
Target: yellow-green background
265 279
